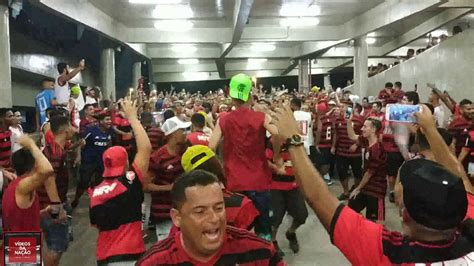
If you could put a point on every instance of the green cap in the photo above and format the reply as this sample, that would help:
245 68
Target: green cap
240 87
75 90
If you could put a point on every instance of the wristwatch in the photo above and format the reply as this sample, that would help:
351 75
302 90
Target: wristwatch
295 140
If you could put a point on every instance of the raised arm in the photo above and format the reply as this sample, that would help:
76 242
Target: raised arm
439 148
142 157
441 95
310 181
72 74
350 130
39 175
215 137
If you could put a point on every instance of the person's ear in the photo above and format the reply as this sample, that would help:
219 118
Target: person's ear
175 217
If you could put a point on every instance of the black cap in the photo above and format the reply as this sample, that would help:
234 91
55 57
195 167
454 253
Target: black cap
433 196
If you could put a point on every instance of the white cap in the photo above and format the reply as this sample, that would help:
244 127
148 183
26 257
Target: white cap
332 102
173 124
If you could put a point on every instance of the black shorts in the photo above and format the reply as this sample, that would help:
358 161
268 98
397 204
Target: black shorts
324 157
394 162
343 163
290 201
374 207
90 174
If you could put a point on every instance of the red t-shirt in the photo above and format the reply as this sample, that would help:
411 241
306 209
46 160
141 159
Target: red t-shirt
198 138
458 129
166 168
245 162
375 161
5 149
366 243
470 206
16 219
240 248
384 95
327 131
84 124
156 136
287 181
343 142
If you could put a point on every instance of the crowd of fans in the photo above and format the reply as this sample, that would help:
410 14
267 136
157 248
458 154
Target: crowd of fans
214 174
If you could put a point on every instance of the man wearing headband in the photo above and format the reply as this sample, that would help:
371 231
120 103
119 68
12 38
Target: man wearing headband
431 198
244 132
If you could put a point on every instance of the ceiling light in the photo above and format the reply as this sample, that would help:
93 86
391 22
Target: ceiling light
184 48
172 11
438 33
191 61
299 10
162 2
372 34
174 25
257 60
299 22
263 47
370 40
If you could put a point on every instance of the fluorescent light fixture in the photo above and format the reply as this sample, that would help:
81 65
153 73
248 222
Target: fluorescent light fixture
299 22
370 40
256 60
184 48
299 10
162 2
195 75
372 34
263 47
438 33
191 61
174 25
173 11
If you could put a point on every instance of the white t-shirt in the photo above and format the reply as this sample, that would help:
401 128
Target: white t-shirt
439 115
305 123
61 93
16 134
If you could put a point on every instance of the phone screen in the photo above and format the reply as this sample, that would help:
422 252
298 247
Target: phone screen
401 113
349 112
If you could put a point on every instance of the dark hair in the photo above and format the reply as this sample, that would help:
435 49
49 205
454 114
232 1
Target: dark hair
413 96
389 85
198 120
46 80
206 105
379 104
61 67
168 114
398 84
296 102
58 124
4 111
430 106
375 123
146 117
358 107
411 50
191 179
213 166
465 102
425 145
22 161
56 112
456 30
88 105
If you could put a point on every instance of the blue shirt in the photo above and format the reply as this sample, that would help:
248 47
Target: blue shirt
96 143
43 102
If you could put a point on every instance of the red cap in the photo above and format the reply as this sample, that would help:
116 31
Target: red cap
322 107
115 161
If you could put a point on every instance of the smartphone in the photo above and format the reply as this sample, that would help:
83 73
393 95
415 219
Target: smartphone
401 112
349 112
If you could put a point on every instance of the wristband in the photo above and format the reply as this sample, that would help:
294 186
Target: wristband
55 203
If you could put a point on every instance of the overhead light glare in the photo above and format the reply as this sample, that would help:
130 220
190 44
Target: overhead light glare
174 25
372 34
184 48
257 60
438 33
173 11
263 47
195 75
370 40
155 2
299 10
299 22
191 61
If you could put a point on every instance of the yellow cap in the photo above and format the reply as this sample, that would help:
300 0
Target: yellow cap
315 89
195 156
203 114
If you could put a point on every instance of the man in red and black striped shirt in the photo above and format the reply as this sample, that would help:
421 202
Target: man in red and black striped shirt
156 136
6 175
348 153
370 193
458 127
57 234
165 167
204 238
323 135
88 119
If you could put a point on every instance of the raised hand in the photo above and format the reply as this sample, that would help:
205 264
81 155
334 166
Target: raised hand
129 108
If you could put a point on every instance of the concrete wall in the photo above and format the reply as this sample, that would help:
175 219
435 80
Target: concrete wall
24 93
450 66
